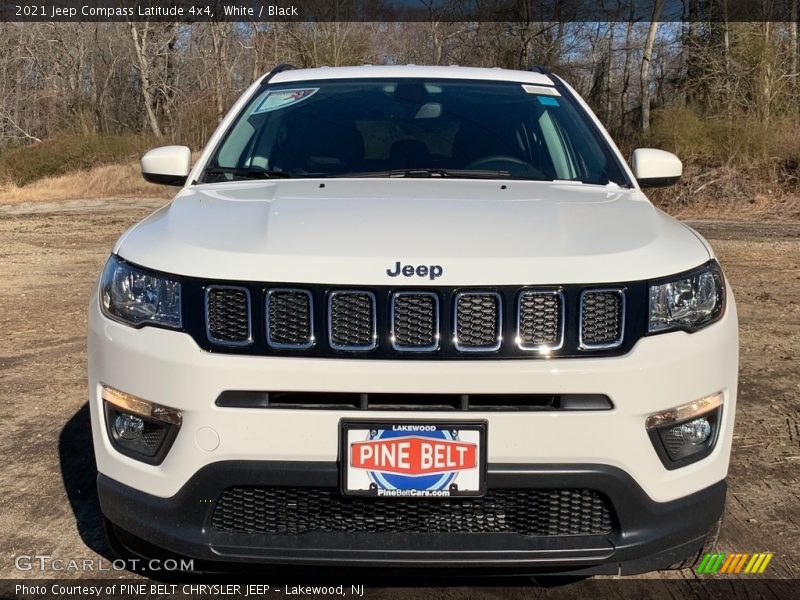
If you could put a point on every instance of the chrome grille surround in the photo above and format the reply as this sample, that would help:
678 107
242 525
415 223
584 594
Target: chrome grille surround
615 320
467 325
213 315
537 316
272 304
403 329
341 306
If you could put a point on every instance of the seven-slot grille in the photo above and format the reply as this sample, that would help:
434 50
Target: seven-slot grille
441 322
228 318
602 320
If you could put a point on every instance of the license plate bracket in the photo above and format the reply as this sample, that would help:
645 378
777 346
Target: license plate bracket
412 458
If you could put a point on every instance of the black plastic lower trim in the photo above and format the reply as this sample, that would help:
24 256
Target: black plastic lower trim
649 535
416 402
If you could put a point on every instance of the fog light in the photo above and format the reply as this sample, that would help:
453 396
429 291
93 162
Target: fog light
138 428
128 427
686 433
695 432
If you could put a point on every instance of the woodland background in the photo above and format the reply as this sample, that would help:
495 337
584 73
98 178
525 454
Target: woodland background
723 95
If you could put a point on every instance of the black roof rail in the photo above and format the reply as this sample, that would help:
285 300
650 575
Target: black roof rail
540 69
278 69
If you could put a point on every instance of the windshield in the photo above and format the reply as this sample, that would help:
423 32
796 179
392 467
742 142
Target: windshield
411 127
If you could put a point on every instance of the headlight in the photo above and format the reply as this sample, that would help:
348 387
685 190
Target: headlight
137 297
689 301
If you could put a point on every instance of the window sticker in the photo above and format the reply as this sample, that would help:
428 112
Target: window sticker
275 100
542 90
548 101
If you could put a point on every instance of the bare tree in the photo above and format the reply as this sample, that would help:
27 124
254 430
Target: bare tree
647 54
794 54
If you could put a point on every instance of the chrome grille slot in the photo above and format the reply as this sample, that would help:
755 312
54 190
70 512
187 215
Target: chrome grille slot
602 318
415 321
540 320
290 320
228 320
352 321
478 321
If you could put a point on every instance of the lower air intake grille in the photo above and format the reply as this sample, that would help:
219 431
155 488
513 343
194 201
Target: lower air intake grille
415 321
602 318
297 510
352 320
541 320
228 315
289 320
478 321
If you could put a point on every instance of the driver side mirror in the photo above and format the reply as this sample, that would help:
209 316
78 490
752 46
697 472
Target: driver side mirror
168 165
655 168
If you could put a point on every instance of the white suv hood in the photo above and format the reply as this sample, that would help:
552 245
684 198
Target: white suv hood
350 231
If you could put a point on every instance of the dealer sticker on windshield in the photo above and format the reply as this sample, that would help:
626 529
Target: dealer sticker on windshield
277 99
413 459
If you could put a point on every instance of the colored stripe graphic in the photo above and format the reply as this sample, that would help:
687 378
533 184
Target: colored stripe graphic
724 563
701 568
718 562
727 563
741 562
767 558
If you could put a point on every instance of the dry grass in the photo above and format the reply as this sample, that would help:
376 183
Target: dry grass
118 181
759 208
702 194
731 192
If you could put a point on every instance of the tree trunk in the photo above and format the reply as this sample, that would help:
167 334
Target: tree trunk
646 57
143 66
794 54
626 75
219 35
727 63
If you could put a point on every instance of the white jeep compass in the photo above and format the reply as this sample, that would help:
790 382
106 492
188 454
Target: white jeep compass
413 316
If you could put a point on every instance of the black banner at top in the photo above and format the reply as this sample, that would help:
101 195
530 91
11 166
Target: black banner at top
266 11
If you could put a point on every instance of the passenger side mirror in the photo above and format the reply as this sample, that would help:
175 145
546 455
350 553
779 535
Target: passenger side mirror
655 168
168 165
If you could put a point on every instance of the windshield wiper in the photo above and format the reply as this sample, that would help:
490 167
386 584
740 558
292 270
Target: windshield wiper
462 173
247 172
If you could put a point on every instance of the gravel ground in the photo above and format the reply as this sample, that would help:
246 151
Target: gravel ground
51 253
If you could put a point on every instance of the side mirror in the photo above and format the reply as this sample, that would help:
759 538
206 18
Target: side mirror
168 165
655 168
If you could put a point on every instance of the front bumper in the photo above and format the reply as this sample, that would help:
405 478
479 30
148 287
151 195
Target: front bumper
647 535
660 372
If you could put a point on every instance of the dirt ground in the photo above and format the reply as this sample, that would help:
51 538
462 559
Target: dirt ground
51 253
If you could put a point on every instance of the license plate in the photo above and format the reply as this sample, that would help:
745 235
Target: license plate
413 459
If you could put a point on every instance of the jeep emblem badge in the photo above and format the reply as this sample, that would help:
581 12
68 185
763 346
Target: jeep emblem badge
430 271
